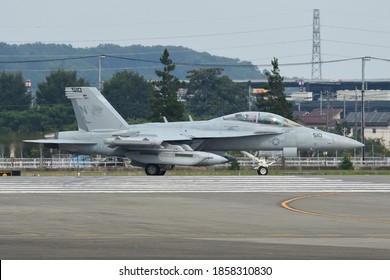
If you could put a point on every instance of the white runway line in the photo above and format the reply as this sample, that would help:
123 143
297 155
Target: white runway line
183 184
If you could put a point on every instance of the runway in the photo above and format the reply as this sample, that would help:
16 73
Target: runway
193 184
195 217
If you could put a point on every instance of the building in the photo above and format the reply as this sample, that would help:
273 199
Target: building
369 95
319 118
300 96
376 125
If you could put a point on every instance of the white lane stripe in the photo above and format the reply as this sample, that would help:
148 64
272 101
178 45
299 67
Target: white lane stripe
180 184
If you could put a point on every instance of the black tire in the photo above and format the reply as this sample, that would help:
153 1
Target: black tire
262 170
152 170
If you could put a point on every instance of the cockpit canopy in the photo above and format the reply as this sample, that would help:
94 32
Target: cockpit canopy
261 117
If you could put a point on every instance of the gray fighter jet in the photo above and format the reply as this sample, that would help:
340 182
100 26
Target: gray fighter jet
160 146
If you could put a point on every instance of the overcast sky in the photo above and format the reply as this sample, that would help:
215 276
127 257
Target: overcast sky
252 30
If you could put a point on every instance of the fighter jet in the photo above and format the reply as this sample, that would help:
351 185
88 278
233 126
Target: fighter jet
158 147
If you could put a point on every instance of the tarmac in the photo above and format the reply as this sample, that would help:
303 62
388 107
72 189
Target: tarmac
195 217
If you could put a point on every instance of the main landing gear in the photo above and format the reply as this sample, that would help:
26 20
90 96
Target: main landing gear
156 169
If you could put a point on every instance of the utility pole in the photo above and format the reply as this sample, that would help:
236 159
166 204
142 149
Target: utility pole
100 85
345 110
327 111
356 105
249 96
364 59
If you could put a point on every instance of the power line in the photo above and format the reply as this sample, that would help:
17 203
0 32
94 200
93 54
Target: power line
356 29
149 21
178 36
356 43
322 62
183 63
382 59
46 60
233 65
179 51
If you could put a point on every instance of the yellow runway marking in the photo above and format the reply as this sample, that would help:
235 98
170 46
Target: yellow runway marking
285 205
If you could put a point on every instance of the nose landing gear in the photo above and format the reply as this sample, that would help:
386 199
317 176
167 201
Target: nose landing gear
262 164
262 170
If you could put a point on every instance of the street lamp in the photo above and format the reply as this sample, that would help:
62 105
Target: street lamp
100 85
364 59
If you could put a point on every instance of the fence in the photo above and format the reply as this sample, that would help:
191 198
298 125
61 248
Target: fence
69 162
25 163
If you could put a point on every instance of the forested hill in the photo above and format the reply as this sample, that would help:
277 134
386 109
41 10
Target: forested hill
35 61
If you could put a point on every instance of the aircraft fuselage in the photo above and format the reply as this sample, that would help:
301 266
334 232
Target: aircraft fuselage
302 138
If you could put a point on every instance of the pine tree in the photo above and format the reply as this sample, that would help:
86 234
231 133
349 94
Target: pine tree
274 100
164 101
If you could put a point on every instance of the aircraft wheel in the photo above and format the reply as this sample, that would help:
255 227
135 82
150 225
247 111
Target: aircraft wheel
153 170
262 170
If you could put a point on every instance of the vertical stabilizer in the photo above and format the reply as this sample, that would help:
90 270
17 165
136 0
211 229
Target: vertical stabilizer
92 110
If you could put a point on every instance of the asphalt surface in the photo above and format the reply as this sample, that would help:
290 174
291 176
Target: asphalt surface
238 217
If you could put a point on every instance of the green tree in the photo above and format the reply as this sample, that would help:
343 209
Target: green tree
346 163
342 128
211 95
13 93
375 147
274 100
164 100
52 91
33 123
129 93
43 120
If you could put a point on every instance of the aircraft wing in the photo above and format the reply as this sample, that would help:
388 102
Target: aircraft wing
154 141
162 135
207 134
145 141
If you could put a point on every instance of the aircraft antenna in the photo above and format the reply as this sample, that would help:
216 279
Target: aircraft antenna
316 73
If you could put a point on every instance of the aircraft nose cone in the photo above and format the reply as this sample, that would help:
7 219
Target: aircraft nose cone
345 143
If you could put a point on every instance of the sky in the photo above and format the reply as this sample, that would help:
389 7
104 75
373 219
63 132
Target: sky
250 30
